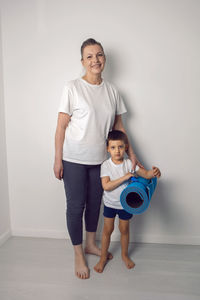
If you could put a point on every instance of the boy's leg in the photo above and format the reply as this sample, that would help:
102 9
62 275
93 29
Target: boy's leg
91 247
105 242
124 230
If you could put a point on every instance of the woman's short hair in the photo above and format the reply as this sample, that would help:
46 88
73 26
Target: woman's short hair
89 42
117 135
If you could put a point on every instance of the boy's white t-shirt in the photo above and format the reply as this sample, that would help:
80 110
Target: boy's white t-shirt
92 109
115 171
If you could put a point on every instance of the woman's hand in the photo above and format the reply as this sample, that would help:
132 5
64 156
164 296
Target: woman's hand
63 121
135 162
58 169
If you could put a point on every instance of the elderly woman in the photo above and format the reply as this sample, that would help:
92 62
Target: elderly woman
90 107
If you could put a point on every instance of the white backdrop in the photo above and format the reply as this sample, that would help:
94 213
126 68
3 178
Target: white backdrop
152 50
4 198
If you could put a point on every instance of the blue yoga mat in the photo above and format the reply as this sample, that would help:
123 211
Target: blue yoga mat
136 197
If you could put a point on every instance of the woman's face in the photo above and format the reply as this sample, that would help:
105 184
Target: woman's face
93 59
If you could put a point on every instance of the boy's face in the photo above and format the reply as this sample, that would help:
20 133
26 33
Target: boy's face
117 150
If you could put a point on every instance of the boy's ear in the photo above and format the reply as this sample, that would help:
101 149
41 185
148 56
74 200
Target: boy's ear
126 147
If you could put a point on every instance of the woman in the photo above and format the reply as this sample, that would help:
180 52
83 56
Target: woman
90 107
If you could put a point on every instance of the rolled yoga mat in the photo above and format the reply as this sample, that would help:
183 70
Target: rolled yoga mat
136 197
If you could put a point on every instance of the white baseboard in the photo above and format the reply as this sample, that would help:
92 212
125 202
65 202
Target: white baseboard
168 239
146 238
4 237
158 239
54 234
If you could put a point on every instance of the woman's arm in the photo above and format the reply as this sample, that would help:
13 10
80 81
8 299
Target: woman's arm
118 125
109 185
62 123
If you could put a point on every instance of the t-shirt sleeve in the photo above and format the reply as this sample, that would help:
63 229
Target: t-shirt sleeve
136 168
104 170
66 101
120 107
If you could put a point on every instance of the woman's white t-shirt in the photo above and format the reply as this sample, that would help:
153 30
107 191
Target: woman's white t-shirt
115 171
92 109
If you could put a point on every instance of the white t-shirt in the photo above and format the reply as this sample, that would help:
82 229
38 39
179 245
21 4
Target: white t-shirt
92 109
115 171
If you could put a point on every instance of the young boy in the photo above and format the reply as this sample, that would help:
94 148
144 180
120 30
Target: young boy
114 175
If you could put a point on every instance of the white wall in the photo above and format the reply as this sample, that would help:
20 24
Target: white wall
4 197
152 49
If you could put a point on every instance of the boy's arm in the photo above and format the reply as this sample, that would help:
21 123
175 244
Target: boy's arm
109 185
148 174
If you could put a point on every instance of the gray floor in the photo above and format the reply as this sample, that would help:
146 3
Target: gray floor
43 269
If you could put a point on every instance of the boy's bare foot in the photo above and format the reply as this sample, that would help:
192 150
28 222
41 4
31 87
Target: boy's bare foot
81 269
100 265
128 262
93 249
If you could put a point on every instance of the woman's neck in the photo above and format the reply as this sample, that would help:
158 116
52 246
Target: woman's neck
93 79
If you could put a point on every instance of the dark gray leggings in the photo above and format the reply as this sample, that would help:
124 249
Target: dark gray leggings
83 192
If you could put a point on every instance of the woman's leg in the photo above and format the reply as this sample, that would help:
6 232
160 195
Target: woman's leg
81 269
75 182
124 230
105 242
93 204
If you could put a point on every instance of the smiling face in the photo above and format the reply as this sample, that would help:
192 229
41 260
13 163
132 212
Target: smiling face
93 59
117 149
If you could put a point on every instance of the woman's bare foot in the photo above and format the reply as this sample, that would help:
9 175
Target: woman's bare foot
100 265
128 262
81 269
93 249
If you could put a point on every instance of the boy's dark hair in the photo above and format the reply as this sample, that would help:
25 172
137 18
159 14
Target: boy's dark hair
89 42
116 135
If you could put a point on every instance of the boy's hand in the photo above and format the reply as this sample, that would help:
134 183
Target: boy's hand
156 172
128 176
